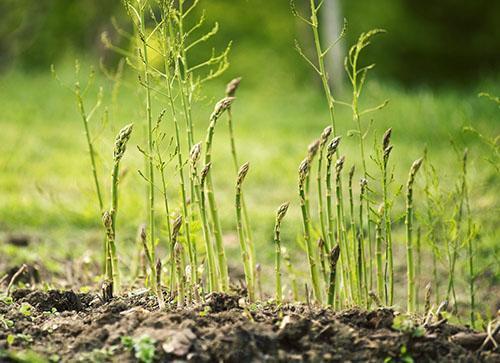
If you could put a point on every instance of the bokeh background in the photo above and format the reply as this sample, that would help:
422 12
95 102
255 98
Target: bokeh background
431 64
428 42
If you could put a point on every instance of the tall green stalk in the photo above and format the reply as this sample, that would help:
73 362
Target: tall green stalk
322 258
230 92
319 180
280 214
455 240
354 240
109 217
331 150
378 255
200 196
321 53
147 253
169 31
219 109
386 147
303 173
419 263
411 293
312 150
341 231
91 151
178 261
151 188
357 77
333 258
249 276
90 145
361 262
159 292
470 240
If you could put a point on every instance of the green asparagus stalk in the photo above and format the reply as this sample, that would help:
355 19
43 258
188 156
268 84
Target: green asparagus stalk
280 214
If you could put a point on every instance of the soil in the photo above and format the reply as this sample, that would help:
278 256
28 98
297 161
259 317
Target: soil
70 327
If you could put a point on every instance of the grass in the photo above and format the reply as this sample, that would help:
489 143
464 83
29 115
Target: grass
274 125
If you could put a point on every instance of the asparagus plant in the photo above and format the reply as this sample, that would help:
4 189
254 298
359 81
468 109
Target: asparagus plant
231 89
325 135
333 258
244 248
200 196
303 174
387 148
411 303
109 217
219 109
280 214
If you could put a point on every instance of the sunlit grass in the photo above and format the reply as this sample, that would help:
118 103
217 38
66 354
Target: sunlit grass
45 186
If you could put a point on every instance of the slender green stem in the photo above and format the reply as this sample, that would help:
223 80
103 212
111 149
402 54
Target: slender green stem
147 253
118 152
90 145
342 233
361 241
151 188
386 149
322 259
321 64
411 303
168 29
200 194
249 276
470 241
329 201
91 151
332 148
334 257
378 255
220 107
179 262
170 246
230 92
355 243
319 180
452 255
280 214
159 291
357 78
303 172
181 278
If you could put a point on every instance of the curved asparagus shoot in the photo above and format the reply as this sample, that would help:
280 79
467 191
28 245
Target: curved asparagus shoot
411 303
387 148
244 248
179 265
341 231
361 244
109 217
470 240
331 150
231 88
303 173
378 254
200 195
323 140
219 109
333 258
280 214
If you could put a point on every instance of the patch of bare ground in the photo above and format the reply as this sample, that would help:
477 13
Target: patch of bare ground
69 327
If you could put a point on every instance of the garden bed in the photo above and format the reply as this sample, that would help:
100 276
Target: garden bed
64 326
